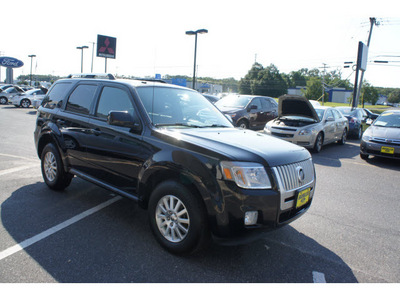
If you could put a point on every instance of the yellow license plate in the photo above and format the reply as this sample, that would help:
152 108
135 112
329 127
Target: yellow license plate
387 150
303 197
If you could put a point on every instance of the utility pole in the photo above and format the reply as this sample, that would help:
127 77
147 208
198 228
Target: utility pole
323 84
373 22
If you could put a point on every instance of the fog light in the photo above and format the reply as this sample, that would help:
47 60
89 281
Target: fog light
250 218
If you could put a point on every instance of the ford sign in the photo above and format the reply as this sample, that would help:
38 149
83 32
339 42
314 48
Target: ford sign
10 62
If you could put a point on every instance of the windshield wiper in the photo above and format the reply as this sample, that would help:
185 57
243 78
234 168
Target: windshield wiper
214 126
176 124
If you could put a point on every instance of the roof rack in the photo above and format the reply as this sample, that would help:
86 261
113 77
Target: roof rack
150 79
92 75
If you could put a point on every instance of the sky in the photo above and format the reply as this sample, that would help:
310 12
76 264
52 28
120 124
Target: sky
151 36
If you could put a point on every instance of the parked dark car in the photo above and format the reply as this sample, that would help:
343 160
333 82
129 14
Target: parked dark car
249 111
382 138
176 154
357 120
370 114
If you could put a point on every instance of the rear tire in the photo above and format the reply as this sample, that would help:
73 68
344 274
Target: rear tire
243 124
25 103
178 218
3 100
342 141
53 169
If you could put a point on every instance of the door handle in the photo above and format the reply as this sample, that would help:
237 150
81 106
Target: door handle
96 131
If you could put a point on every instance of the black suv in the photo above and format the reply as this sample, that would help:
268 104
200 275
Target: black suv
249 111
176 154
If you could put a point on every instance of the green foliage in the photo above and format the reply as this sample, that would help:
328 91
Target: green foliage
263 81
394 97
369 94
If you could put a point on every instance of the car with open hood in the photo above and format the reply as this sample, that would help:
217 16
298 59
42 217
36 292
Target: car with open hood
382 138
303 124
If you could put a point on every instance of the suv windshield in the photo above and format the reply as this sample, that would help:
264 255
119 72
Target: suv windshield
234 101
167 106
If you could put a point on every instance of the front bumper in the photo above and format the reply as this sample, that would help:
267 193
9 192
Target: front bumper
293 136
276 207
381 149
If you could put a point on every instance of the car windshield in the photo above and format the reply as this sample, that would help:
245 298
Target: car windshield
388 119
347 111
233 101
320 113
177 107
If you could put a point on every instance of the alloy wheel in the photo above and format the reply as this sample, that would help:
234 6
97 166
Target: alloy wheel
50 166
172 219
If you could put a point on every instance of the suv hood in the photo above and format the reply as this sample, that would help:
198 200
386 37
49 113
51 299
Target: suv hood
239 145
292 105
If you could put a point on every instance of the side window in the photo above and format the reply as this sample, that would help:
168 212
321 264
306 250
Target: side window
266 105
113 99
56 94
81 98
337 114
256 102
329 114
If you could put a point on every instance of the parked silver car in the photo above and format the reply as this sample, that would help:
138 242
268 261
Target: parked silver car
29 98
382 138
312 127
8 92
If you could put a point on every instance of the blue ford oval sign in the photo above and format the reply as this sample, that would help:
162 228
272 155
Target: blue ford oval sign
10 62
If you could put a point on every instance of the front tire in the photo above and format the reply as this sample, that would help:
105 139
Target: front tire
318 143
243 124
25 103
53 169
342 141
3 100
177 218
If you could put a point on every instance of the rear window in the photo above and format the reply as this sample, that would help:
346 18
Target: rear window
56 95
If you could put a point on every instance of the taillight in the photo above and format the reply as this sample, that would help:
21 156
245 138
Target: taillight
353 120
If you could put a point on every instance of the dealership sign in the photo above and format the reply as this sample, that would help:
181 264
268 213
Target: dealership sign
106 46
10 62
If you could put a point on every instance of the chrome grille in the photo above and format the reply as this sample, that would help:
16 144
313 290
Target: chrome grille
289 175
385 141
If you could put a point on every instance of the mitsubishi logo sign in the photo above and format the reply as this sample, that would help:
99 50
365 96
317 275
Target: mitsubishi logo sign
106 46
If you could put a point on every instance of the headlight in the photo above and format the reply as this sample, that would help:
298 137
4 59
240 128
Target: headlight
305 132
246 175
366 138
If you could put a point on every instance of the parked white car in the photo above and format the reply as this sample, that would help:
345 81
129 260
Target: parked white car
29 98
303 124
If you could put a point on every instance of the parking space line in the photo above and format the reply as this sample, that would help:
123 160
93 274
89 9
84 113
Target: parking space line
318 277
28 242
17 169
19 157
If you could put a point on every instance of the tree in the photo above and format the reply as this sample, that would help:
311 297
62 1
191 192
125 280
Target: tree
394 97
370 94
313 89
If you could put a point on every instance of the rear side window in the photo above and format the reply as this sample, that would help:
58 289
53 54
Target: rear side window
81 99
56 94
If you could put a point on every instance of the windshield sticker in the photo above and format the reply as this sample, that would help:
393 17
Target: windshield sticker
380 123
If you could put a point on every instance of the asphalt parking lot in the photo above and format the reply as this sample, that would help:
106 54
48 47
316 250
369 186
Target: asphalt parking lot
86 234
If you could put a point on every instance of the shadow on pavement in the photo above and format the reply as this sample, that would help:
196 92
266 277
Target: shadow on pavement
116 245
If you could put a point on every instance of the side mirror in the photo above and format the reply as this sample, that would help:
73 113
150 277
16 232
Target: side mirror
252 107
124 119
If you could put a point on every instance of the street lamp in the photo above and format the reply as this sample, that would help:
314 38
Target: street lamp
195 50
81 48
30 77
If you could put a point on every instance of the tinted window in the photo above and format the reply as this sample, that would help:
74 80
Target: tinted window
113 99
56 94
256 102
81 99
266 104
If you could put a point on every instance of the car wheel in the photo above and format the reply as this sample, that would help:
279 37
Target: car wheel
177 218
243 124
318 143
364 156
53 169
359 133
3 100
25 103
342 141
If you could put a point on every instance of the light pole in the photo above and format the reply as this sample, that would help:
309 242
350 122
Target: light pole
195 51
30 77
81 48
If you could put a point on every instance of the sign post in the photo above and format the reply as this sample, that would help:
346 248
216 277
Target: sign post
106 47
